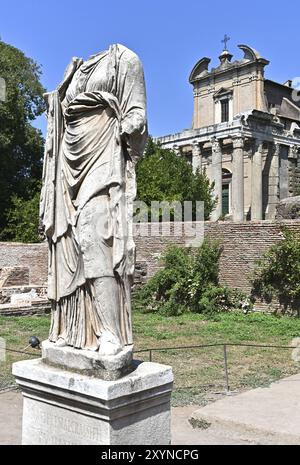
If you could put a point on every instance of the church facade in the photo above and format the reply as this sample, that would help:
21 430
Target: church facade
245 135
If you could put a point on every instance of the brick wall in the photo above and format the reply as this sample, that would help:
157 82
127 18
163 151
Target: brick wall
21 257
243 244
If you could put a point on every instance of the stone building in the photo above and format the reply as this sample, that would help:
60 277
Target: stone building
245 134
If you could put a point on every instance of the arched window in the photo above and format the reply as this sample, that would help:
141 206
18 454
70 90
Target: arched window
226 192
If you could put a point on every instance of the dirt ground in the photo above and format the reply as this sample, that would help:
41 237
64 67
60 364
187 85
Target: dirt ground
182 431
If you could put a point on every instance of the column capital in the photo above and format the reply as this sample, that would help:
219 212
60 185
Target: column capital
238 141
276 148
294 151
216 144
258 144
177 149
197 146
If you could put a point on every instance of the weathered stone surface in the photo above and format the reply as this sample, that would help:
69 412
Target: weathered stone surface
10 291
238 179
288 209
217 177
24 298
14 276
41 308
97 129
61 407
38 305
4 298
89 362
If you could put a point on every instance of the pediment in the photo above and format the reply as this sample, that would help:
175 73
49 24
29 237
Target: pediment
200 69
289 109
222 91
252 55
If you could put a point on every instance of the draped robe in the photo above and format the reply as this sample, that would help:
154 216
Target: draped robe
96 131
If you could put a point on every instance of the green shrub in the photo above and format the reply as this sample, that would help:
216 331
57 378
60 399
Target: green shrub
188 282
205 272
221 299
166 283
277 275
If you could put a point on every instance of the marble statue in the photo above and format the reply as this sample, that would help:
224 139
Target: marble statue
96 131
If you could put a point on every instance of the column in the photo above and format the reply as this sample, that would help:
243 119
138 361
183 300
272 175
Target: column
177 150
197 157
273 182
217 177
238 179
256 181
284 172
292 170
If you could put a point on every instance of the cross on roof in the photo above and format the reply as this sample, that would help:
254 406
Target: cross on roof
225 40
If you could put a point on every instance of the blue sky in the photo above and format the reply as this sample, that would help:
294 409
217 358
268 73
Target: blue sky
169 36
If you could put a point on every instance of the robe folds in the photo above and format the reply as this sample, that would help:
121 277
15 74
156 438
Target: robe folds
96 131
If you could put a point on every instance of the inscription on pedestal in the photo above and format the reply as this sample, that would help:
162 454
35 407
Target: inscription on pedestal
48 424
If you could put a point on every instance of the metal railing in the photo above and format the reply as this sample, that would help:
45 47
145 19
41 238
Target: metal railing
153 350
225 355
15 351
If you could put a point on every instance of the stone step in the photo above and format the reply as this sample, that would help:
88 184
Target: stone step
42 308
263 416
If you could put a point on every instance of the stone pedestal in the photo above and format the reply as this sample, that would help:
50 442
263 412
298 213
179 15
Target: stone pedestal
62 407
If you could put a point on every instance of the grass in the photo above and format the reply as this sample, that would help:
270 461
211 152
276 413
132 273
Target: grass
199 373
16 332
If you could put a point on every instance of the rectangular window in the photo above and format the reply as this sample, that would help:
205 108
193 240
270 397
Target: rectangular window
225 199
224 110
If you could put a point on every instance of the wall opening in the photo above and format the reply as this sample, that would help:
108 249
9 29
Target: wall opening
226 192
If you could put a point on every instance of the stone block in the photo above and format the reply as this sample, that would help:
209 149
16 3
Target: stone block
88 362
61 407
14 276
288 209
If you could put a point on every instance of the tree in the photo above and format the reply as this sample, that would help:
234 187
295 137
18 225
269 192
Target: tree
23 220
163 176
21 145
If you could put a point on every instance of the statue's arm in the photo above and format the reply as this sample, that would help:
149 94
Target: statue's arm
133 104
